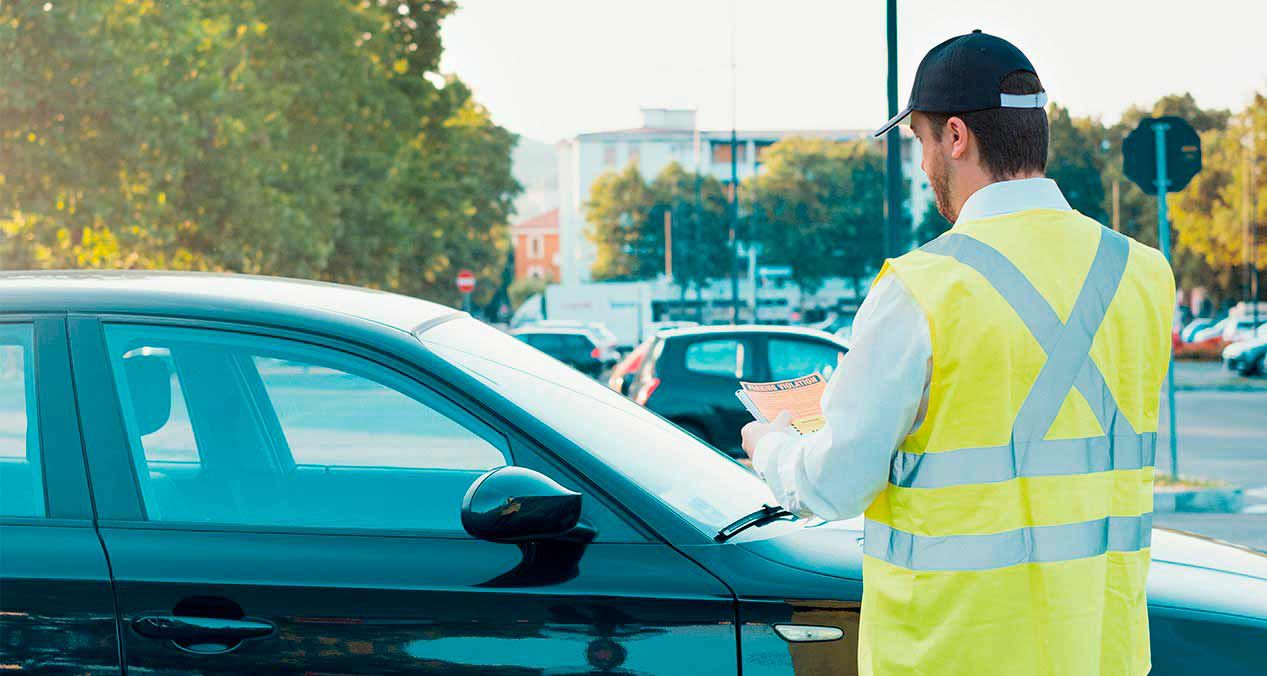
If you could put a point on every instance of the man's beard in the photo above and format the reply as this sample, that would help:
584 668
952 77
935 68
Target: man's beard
940 181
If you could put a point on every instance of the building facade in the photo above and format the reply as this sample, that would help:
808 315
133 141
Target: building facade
536 243
671 135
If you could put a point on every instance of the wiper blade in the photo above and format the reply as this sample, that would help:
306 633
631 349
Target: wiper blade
762 516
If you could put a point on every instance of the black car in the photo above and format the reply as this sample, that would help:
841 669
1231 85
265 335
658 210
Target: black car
691 375
233 475
577 348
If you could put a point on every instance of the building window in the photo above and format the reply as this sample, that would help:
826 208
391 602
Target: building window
609 154
635 152
761 148
536 247
536 272
721 152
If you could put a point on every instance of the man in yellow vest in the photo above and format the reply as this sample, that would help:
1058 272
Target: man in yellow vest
996 418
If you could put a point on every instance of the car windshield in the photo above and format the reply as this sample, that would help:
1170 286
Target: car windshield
706 487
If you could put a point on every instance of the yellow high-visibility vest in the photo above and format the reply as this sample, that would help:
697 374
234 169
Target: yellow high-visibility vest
1013 537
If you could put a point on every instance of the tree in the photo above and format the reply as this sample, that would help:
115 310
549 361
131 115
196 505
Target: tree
931 226
1211 213
307 139
1076 161
819 207
627 215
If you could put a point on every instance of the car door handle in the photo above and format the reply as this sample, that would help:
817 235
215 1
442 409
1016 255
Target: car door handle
199 629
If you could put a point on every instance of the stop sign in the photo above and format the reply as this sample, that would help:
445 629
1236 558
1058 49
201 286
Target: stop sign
466 281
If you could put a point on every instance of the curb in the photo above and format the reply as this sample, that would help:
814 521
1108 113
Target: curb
1212 500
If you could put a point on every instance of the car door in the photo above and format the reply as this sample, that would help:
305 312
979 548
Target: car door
56 606
702 388
295 508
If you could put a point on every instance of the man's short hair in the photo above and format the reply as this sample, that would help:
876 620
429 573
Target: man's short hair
1012 140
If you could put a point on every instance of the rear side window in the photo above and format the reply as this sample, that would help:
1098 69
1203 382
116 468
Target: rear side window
721 357
21 472
577 345
288 434
791 358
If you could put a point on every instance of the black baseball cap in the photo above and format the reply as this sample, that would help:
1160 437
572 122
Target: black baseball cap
965 74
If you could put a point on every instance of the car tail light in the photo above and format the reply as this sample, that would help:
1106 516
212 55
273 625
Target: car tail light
596 353
645 392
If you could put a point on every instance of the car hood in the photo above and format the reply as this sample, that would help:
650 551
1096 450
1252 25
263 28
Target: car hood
1189 571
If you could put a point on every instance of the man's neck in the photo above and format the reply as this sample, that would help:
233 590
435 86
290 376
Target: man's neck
982 180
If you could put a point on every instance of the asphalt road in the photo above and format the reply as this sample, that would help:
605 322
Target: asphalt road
1222 435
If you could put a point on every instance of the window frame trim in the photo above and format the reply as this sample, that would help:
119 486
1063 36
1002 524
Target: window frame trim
63 475
120 506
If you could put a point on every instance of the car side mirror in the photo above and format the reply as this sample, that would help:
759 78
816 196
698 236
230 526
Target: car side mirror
517 505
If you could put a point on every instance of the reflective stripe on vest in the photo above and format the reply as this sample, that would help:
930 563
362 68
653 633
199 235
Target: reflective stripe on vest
1068 366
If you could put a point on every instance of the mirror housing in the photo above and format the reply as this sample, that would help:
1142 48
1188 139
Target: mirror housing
517 505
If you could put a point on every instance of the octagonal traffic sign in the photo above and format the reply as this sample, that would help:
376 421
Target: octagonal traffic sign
1183 153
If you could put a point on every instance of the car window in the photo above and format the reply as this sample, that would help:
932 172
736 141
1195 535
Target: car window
703 485
21 474
289 434
721 357
579 346
792 358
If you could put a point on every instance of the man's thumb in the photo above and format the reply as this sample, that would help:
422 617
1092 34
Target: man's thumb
783 419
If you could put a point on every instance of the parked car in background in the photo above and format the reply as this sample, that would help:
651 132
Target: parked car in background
603 336
1185 335
577 348
1248 357
1206 343
291 477
623 373
690 375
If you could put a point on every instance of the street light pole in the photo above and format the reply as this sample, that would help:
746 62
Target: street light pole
734 181
893 146
1163 239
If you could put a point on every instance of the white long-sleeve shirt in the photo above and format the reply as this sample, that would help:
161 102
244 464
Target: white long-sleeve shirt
879 393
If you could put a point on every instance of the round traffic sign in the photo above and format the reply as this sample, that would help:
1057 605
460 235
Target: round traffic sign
466 281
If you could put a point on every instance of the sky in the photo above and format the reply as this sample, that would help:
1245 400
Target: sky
550 69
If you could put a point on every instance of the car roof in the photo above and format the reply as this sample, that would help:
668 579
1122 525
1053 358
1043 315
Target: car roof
210 296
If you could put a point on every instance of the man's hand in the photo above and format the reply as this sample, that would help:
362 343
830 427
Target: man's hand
754 431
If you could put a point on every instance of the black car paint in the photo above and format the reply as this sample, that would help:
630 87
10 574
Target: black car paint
650 595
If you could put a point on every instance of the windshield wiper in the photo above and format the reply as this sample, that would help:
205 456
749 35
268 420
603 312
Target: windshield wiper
762 516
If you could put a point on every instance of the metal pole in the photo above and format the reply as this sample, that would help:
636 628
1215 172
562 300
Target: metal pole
668 245
893 146
1163 239
734 182
1117 205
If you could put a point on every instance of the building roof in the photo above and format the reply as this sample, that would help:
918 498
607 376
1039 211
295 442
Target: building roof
548 222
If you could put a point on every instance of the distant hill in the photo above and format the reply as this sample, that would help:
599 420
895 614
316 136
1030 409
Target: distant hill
536 169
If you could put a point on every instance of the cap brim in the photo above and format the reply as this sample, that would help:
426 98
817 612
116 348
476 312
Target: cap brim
893 122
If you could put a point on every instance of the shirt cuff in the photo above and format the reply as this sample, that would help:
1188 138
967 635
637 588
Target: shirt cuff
765 455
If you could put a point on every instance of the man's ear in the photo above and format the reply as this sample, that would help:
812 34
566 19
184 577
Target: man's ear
957 132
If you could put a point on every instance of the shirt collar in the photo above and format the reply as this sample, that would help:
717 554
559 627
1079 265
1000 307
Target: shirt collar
1006 197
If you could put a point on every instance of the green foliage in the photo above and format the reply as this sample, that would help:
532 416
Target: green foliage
931 225
1211 214
1208 244
522 289
1077 161
819 207
627 217
301 139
